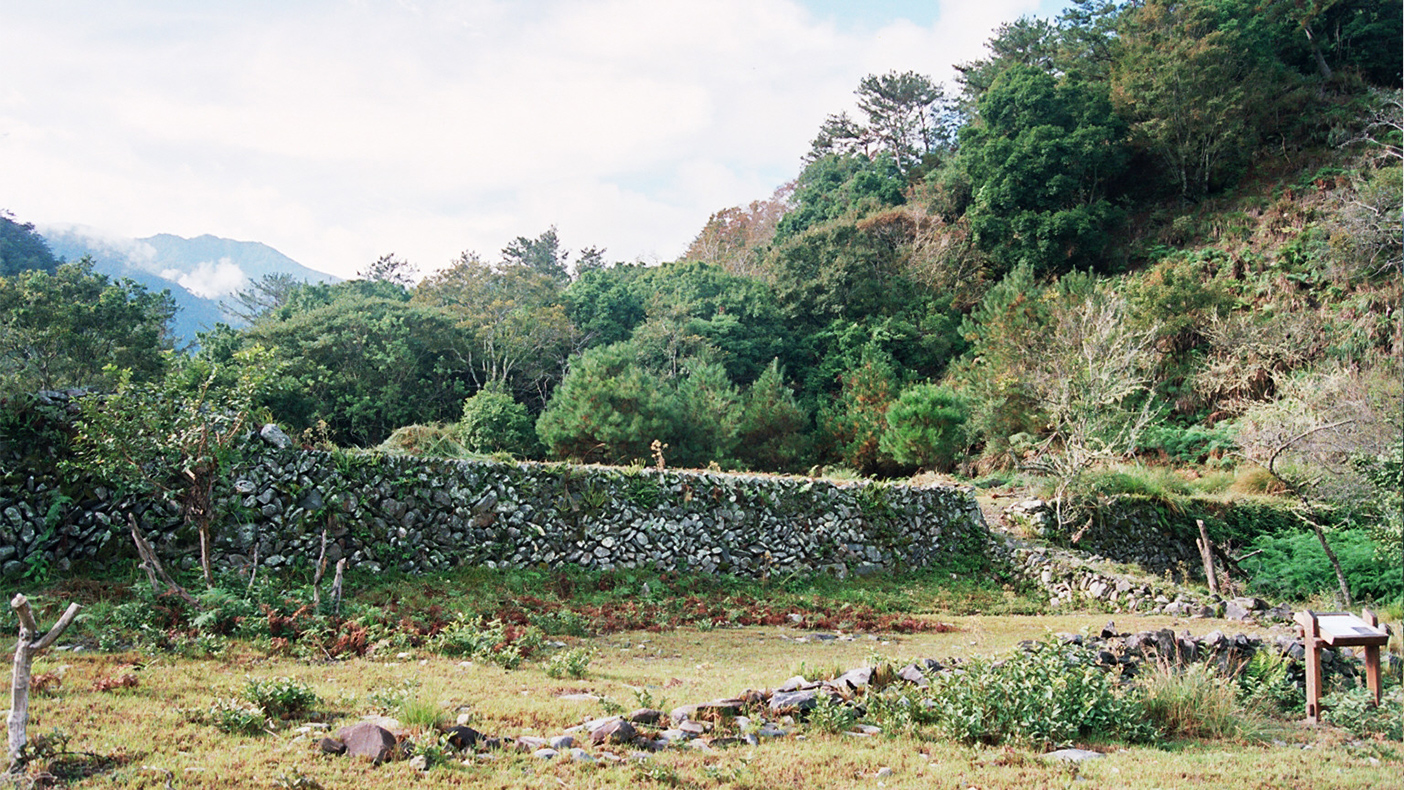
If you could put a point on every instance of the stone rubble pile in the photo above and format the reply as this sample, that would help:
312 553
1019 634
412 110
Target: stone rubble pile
1073 578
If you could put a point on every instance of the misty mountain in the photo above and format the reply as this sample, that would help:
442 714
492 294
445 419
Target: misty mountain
200 273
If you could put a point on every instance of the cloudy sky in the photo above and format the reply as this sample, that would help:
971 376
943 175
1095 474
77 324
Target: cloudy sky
340 130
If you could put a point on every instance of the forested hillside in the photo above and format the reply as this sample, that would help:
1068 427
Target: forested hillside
1165 232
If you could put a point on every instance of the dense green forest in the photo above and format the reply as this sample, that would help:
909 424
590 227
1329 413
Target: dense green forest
1156 232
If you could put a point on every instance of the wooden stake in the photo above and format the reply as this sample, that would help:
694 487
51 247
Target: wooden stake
1206 554
336 585
317 577
25 650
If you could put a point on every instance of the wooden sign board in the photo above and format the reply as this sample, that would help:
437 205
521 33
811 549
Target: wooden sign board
1340 629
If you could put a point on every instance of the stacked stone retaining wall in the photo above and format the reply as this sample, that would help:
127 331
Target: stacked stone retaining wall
416 515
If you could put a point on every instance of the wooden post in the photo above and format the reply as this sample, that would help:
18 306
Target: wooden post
1206 554
336 585
25 650
1311 640
1372 659
317 577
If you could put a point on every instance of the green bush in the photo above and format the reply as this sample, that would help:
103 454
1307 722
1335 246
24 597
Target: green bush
832 715
468 637
280 697
1293 567
572 663
1049 694
495 422
925 427
237 717
1267 681
1354 710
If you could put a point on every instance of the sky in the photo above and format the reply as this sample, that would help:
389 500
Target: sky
338 131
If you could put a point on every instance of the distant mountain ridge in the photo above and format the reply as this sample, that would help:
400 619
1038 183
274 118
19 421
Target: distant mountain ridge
201 272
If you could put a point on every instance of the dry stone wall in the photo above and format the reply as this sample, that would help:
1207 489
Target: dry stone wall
415 515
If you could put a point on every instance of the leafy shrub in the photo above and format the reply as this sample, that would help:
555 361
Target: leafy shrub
280 697
1385 473
1354 710
1049 694
563 621
1193 701
221 611
237 717
832 715
494 422
1294 567
434 747
468 637
1248 517
570 664
896 710
1266 681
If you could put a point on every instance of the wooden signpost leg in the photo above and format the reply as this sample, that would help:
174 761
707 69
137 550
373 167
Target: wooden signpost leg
1311 633
1372 659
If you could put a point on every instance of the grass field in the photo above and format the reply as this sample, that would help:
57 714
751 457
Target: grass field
157 733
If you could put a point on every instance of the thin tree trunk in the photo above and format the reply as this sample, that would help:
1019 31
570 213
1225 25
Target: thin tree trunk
1321 66
1335 563
205 555
26 648
153 566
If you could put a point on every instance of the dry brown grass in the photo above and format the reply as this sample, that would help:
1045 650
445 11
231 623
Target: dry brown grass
146 734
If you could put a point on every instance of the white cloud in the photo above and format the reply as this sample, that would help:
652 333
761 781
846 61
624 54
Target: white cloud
210 279
338 131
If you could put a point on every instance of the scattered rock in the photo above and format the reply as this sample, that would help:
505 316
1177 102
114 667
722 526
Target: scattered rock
464 737
616 731
275 436
794 701
368 739
648 716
